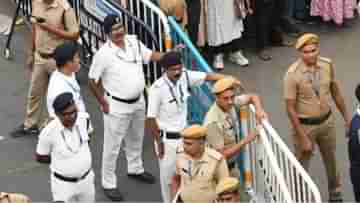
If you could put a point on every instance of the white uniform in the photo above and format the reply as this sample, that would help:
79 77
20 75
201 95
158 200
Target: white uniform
122 76
70 158
167 103
60 83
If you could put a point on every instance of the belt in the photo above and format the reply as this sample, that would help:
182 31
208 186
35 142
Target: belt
231 165
315 121
71 179
46 55
128 101
170 135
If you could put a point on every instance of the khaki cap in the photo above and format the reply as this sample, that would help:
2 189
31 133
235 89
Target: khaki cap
223 84
227 184
194 132
308 38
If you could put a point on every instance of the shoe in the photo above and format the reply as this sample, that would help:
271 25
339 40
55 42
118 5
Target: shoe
263 55
143 177
219 62
113 194
335 197
21 131
239 58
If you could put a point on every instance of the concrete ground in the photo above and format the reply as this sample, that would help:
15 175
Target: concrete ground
19 172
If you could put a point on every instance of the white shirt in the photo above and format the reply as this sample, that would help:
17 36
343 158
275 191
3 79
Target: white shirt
121 70
60 83
69 150
167 101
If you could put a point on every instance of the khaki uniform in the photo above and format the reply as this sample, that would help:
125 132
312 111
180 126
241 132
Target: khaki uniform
222 133
200 177
58 14
311 90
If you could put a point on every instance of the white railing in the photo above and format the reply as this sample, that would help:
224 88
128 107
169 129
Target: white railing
278 175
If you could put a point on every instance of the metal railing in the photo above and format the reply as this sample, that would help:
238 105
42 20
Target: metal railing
278 175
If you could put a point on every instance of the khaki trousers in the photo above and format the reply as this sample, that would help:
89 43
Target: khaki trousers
324 136
35 104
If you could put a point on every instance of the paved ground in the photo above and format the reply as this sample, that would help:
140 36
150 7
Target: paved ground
19 172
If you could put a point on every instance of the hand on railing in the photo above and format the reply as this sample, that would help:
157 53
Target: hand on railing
254 134
260 115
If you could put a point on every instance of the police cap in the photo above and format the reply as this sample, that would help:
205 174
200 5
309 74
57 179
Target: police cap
170 59
65 52
63 101
223 84
111 20
228 184
194 132
305 39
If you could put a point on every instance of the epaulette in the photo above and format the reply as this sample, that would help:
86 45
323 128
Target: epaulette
294 66
214 154
327 60
64 3
158 83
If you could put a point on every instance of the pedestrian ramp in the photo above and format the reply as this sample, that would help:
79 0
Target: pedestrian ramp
270 171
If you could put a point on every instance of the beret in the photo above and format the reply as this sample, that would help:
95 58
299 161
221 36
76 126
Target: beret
170 59
63 101
227 184
223 84
194 131
111 20
306 39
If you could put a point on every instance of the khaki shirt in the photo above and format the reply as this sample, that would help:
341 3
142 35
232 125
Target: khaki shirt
222 126
59 14
310 87
13 198
200 177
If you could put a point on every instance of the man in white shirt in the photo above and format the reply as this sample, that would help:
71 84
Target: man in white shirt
64 144
167 112
119 66
63 79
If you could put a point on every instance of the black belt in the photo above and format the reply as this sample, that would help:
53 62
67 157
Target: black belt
70 179
128 101
46 55
315 121
231 165
170 135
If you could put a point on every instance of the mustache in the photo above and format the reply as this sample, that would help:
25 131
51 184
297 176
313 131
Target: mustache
177 75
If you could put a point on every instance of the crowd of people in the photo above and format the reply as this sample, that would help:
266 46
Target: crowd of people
197 162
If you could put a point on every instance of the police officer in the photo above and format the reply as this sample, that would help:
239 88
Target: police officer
227 191
198 168
64 144
119 66
53 22
167 112
309 86
354 148
222 122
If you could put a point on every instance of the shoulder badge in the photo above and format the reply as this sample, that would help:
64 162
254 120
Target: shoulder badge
327 60
180 149
158 83
64 3
214 154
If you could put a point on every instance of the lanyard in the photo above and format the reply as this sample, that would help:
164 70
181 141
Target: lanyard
67 145
174 98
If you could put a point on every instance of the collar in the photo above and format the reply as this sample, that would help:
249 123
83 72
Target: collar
69 79
305 69
169 82
222 115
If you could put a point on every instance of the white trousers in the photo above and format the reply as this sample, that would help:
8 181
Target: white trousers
127 126
167 166
82 191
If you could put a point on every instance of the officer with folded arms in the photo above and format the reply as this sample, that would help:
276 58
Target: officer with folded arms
167 112
64 144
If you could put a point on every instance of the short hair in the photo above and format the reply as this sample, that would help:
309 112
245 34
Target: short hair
357 92
63 101
65 53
